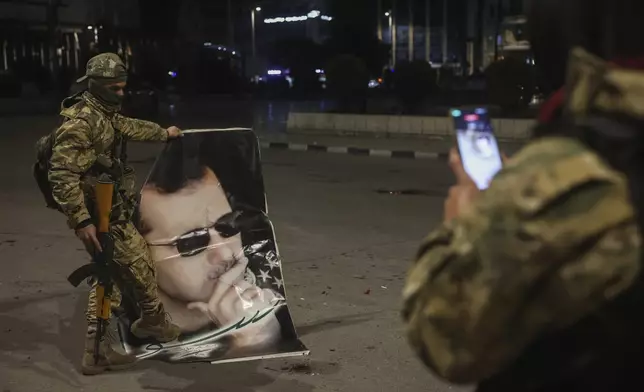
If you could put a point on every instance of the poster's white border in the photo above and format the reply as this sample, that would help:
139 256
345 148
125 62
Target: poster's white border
215 130
263 357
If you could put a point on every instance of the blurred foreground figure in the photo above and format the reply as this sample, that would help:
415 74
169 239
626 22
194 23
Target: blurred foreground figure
90 142
536 283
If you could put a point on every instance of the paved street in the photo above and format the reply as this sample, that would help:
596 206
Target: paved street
345 246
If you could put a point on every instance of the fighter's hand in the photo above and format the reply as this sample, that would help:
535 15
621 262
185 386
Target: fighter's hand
232 297
87 234
462 195
174 132
224 303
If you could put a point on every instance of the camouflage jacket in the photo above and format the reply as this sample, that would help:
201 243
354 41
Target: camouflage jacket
88 134
552 241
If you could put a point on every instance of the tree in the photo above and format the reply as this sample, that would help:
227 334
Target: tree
348 82
446 77
414 82
510 84
353 31
372 52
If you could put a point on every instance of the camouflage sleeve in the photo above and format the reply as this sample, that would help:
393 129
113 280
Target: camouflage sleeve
72 155
528 258
140 130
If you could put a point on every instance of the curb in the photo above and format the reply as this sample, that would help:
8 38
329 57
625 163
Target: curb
365 152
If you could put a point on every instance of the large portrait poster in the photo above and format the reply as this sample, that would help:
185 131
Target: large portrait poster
203 213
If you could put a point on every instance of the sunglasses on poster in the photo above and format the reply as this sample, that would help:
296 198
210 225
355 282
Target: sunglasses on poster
197 241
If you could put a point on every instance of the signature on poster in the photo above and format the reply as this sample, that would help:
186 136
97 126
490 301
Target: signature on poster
203 351
201 345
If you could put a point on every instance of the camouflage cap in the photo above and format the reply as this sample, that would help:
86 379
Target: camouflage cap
105 66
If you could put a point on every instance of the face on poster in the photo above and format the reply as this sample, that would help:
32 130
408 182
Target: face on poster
219 276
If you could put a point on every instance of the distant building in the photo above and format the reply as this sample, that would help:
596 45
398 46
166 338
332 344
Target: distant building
38 38
442 44
512 36
420 48
283 21
490 23
24 33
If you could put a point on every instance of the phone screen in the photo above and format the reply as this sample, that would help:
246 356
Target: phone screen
477 145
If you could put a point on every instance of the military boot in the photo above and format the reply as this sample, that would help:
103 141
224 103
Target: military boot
157 327
108 359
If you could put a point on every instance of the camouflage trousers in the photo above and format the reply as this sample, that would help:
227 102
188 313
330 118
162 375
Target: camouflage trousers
134 273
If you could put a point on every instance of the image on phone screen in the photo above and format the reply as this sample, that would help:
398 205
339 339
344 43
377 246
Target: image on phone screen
477 145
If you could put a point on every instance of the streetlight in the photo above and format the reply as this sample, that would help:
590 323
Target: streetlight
379 20
252 19
392 35
391 24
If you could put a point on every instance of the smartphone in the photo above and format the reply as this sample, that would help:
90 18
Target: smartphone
477 145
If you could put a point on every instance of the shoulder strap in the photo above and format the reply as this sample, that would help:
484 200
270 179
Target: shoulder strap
119 148
123 155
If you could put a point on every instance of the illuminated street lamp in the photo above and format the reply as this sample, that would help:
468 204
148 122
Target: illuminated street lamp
392 34
379 20
252 19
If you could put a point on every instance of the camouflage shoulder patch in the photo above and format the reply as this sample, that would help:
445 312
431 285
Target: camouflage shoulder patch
556 190
545 150
76 130
81 111
548 169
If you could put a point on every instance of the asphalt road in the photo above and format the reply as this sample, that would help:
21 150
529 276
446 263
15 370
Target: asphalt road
345 247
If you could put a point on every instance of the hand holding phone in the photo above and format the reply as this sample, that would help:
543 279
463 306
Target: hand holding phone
477 145
461 195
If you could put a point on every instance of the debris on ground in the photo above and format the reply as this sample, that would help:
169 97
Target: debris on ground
301 368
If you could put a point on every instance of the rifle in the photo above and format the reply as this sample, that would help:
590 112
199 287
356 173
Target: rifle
101 261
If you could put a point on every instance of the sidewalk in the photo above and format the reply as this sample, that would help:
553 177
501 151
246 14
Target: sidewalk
32 127
409 148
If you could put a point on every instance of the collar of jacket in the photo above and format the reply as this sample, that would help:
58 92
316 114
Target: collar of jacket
93 102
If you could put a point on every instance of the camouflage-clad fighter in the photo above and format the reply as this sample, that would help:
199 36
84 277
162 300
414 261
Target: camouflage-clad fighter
85 144
535 285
